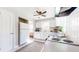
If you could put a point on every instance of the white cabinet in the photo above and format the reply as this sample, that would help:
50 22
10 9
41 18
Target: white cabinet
6 30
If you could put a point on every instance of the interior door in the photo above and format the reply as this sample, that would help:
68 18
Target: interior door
6 30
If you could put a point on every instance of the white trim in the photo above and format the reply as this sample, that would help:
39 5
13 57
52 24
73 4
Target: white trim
19 47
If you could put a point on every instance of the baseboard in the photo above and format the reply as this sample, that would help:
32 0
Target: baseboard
19 47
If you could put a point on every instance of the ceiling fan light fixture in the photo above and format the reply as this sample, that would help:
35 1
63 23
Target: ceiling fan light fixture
40 12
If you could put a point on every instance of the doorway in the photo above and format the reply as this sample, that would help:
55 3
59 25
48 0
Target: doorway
22 31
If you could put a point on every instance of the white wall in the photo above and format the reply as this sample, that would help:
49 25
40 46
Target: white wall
7 30
25 12
52 22
61 21
45 25
73 28
71 25
8 19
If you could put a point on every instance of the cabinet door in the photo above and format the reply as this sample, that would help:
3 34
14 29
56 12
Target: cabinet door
6 31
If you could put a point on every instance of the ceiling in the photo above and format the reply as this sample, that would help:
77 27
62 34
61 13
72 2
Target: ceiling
28 12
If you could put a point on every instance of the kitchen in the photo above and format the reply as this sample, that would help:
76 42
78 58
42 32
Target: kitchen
70 44
29 27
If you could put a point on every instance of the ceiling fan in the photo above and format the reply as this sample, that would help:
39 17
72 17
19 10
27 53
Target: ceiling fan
40 13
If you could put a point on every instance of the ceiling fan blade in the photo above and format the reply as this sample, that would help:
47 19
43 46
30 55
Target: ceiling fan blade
44 12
